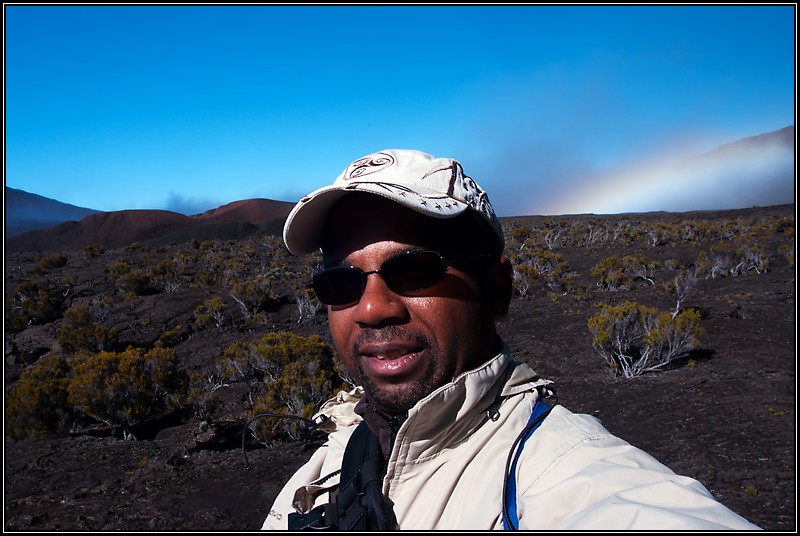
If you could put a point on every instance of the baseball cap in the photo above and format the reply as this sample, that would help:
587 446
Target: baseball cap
436 187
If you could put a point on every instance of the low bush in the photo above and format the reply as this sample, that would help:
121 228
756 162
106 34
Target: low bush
609 274
53 261
299 389
83 328
95 250
614 273
132 282
250 294
202 397
536 265
137 248
682 287
122 388
32 303
212 310
37 405
307 303
169 274
297 372
634 339
727 259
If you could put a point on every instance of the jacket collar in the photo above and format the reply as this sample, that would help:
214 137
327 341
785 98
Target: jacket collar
467 396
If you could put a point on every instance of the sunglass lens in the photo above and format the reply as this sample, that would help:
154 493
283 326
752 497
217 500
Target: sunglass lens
413 271
406 273
338 286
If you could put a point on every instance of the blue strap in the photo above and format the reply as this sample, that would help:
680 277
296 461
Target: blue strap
539 410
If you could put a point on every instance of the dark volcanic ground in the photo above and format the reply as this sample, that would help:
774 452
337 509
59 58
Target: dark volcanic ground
726 417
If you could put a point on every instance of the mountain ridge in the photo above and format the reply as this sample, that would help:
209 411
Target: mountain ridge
36 223
25 211
116 229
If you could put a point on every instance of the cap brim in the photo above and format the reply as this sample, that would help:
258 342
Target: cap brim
304 226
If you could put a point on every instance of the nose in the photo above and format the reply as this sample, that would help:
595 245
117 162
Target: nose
379 306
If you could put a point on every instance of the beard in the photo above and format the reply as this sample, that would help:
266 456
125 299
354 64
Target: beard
397 399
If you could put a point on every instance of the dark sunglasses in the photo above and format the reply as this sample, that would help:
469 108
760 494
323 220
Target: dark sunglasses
406 273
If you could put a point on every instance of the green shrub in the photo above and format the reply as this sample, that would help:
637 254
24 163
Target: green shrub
31 303
263 360
614 273
749 254
83 328
95 250
250 294
659 233
121 389
787 250
298 373
535 265
634 339
204 278
722 259
202 397
133 282
137 247
276 247
638 266
609 274
624 232
683 286
37 404
279 271
53 261
520 234
307 303
212 310
169 274
297 391
117 270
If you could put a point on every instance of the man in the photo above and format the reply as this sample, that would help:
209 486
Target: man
414 280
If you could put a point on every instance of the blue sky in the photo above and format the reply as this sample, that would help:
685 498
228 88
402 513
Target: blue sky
189 108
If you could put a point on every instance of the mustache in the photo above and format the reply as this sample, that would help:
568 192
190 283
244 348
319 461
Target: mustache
390 334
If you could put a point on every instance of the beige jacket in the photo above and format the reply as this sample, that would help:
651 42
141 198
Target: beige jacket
446 466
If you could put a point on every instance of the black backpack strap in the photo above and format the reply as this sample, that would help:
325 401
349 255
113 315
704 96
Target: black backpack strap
360 502
320 518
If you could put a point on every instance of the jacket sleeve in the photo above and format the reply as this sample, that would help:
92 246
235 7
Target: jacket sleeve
578 476
277 518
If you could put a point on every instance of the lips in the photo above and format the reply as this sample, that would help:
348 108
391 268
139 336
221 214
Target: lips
391 359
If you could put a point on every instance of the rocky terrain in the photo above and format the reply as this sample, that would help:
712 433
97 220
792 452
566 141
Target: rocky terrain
724 414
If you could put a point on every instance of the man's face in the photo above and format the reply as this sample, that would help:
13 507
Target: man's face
401 348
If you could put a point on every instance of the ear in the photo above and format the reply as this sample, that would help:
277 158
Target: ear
501 280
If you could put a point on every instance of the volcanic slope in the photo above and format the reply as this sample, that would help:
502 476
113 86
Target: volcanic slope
233 221
724 413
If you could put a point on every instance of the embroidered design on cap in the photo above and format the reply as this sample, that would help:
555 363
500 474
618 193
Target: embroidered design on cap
367 165
464 189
